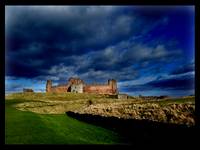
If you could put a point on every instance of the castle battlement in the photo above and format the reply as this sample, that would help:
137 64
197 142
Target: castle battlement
77 85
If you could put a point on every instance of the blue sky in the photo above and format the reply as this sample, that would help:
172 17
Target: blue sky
149 50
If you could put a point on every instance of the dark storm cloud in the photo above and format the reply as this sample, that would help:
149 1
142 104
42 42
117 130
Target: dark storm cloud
125 54
38 38
184 69
110 62
185 82
94 43
67 28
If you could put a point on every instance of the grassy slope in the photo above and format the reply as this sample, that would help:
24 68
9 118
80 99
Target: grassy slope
32 128
53 96
175 101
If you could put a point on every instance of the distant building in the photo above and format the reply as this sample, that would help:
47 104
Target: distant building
28 90
122 96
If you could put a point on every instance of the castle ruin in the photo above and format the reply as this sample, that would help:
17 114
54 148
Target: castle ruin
77 85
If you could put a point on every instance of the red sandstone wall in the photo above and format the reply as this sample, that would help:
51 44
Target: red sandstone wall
111 88
100 89
59 89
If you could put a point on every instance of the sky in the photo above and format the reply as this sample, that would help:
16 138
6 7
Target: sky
149 50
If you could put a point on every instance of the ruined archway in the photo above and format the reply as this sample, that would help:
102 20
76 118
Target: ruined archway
69 89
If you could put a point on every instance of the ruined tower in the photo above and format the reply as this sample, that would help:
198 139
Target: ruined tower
113 84
48 86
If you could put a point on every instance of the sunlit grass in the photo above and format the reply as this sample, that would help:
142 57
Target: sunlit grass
31 128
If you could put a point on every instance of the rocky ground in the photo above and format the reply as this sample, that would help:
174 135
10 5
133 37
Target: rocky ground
170 113
177 111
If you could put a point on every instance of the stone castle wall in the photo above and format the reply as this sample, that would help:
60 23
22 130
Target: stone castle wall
99 89
78 86
59 89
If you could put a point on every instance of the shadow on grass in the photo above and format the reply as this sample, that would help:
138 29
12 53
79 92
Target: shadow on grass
141 131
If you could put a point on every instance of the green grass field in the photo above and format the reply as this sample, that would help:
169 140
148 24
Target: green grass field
26 127
30 128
